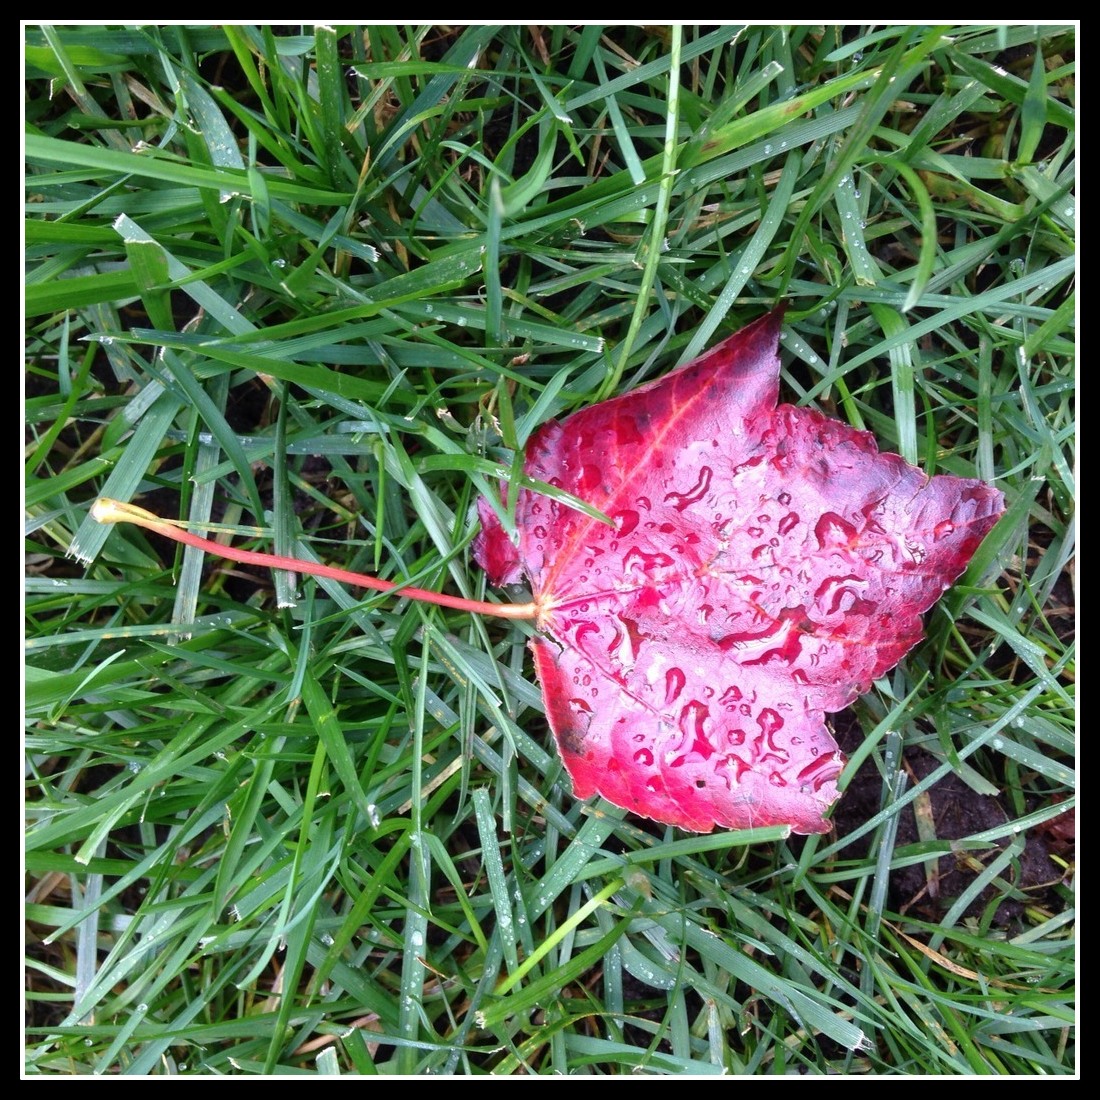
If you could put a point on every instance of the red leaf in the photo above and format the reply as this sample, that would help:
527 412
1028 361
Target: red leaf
766 564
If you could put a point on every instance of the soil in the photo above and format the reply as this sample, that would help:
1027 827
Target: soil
956 812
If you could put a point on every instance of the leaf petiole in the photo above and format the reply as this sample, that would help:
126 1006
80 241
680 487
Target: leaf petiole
105 510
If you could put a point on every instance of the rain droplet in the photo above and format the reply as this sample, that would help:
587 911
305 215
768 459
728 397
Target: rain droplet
731 696
680 501
769 721
590 477
674 684
916 551
834 530
625 521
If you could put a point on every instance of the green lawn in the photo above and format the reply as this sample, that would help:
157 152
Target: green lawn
317 286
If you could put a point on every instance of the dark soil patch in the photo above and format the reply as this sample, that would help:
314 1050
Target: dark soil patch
955 812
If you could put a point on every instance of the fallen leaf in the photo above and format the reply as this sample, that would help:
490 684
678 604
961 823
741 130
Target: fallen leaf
765 565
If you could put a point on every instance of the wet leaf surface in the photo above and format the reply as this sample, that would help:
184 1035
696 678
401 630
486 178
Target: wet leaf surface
766 563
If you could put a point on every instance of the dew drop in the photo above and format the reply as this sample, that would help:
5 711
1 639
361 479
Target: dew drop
789 522
674 684
680 501
916 551
769 721
834 530
644 757
625 521
590 477
731 697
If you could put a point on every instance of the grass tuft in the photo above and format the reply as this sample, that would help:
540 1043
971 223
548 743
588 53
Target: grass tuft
313 288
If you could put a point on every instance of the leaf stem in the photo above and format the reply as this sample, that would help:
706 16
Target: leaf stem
106 510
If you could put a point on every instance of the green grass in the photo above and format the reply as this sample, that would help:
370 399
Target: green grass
327 281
